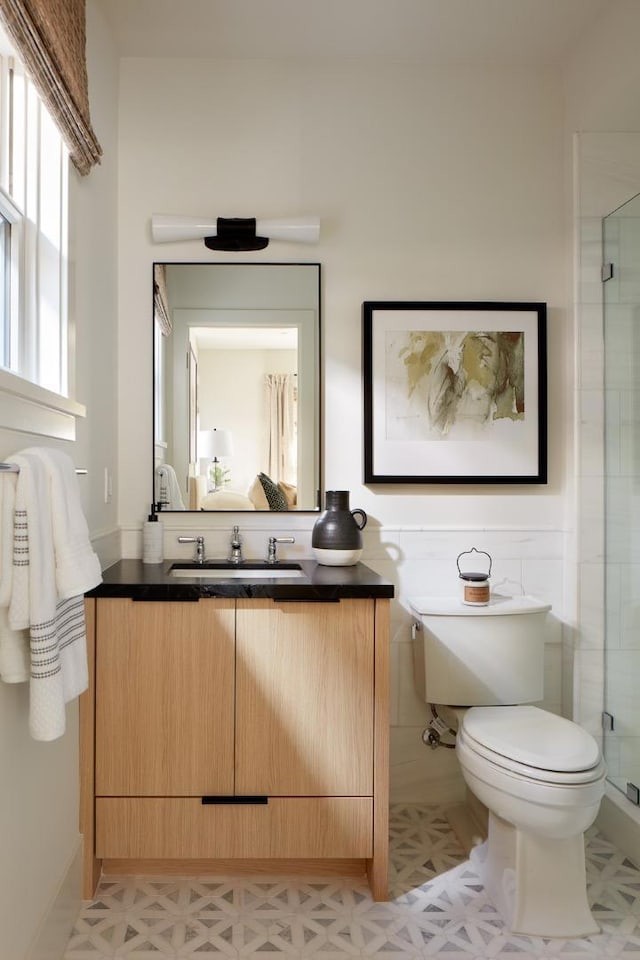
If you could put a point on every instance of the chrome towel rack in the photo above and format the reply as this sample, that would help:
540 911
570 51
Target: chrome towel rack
14 468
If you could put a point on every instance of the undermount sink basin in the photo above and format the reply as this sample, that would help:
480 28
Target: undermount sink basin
222 570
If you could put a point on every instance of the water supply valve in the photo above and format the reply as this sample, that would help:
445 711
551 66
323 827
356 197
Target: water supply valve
432 735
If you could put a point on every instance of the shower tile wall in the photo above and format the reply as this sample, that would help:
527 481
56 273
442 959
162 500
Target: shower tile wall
588 653
423 562
607 165
622 433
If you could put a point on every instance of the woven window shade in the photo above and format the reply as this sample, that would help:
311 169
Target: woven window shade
50 36
161 300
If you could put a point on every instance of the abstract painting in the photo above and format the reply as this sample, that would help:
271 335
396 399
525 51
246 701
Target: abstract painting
455 392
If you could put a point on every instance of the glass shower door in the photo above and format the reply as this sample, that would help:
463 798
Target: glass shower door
621 292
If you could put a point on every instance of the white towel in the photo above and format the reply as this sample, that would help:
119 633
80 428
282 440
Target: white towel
77 566
7 504
14 644
168 488
55 623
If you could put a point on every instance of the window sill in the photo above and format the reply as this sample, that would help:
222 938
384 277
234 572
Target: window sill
27 408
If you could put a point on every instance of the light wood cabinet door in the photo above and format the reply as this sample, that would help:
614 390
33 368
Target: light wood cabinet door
164 697
304 698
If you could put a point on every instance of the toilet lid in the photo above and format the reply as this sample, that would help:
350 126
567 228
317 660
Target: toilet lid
533 737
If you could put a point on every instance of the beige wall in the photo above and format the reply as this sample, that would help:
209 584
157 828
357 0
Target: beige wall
431 183
39 797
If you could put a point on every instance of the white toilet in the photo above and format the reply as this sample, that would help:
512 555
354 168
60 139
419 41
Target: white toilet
540 776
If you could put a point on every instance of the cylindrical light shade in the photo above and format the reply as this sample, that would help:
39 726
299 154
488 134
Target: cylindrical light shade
295 230
169 228
215 443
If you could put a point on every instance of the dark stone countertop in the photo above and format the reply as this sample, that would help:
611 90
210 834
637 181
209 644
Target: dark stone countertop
153 581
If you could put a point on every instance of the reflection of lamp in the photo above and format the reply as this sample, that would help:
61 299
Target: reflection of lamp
233 233
213 444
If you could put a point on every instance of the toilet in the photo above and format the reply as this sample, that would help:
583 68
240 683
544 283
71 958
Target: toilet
540 776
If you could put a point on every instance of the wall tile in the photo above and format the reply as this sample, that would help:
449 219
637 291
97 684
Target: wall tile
591 608
420 774
412 710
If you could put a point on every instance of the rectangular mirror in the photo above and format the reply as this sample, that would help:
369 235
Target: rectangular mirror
236 386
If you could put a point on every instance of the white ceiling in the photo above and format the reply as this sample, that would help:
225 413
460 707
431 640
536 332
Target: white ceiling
244 338
436 31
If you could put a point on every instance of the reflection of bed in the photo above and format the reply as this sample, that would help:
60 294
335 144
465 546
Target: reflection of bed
226 500
263 494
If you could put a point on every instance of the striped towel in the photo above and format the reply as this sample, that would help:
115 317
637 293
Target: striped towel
168 488
56 626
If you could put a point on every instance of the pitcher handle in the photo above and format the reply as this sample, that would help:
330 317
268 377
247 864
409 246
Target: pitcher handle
362 525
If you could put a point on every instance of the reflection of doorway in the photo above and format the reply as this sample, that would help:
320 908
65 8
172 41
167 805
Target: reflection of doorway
192 375
233 364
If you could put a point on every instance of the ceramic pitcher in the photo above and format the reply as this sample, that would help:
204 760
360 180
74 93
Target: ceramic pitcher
336 538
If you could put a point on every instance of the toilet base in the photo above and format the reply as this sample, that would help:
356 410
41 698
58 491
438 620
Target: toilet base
538 885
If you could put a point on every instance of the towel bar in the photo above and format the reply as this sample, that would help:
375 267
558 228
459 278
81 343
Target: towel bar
14 468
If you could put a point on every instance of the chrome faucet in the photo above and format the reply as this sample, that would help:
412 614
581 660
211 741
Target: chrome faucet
199 542
271 556
235 556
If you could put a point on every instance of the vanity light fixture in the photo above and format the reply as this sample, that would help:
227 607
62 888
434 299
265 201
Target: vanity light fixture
233 233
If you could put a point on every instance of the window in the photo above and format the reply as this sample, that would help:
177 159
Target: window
33 244
5 287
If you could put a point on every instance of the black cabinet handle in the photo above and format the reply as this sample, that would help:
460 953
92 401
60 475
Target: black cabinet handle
236 800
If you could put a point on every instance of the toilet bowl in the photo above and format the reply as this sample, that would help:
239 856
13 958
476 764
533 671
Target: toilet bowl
540 776
532 865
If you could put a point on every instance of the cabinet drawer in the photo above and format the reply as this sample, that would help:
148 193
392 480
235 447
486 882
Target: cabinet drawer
183 827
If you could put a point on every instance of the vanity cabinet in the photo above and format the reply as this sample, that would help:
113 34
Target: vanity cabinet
164 698
227 734
304 698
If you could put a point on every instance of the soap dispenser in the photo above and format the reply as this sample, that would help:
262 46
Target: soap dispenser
152 539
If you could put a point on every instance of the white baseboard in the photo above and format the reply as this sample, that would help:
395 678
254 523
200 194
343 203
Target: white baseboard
619 821
51 939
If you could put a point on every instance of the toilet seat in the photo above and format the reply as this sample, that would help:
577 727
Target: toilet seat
531 743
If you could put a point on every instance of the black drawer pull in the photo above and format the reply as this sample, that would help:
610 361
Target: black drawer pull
239 799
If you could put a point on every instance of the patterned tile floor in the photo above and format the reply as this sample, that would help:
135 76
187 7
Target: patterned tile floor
437 909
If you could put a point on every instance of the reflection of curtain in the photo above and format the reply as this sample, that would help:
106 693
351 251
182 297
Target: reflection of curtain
160 300
282 426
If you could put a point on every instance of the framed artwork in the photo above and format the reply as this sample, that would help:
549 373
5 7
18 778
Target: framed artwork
454 392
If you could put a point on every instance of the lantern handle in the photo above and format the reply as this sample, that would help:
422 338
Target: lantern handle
468 552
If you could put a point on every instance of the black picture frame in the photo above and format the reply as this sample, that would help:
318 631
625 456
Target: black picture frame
455 392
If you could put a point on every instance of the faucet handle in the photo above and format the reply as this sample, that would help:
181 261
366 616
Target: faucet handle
199 542
271 556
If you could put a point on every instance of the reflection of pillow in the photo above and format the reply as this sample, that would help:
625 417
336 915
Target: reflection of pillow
257 496
275 497
290 493
226 500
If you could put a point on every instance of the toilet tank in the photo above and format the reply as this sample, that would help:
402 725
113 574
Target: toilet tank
477 656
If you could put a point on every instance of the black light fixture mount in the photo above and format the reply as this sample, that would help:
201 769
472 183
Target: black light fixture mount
236 233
